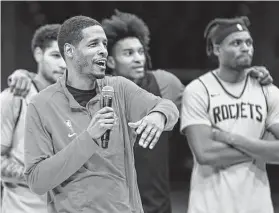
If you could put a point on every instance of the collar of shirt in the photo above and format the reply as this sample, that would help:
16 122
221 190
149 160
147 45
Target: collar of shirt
73 103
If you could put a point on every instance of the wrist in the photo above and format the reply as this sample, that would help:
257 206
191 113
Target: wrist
161 115
222 136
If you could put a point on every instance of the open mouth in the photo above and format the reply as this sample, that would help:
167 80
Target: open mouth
138 68
101 63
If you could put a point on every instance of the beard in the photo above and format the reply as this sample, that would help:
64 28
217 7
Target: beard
243 63
48 76
96 75
241 67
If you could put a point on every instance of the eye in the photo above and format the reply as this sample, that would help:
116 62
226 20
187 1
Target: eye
105 44
93 44
236 43
56 55
141 51
249 42
127 53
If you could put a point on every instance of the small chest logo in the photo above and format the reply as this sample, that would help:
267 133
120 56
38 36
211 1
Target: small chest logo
70 127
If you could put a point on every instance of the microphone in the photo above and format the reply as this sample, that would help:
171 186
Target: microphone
107 94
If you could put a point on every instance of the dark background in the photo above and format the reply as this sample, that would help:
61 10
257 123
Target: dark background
177 43
176 28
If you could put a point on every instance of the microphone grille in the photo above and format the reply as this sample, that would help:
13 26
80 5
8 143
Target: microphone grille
107 90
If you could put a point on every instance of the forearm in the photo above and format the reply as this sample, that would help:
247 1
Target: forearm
11 171
267 151
51 172
223 155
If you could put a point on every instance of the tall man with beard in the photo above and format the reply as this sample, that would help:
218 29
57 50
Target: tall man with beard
225 114
66 121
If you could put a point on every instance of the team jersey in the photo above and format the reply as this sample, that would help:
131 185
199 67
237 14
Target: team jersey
244 108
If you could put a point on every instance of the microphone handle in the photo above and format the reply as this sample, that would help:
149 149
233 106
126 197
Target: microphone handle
107 101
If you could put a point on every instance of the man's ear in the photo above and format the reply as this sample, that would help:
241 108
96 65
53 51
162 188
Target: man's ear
216 49
38 54
111 62
68 50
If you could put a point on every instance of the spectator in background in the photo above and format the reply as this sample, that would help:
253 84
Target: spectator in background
17 197
128 44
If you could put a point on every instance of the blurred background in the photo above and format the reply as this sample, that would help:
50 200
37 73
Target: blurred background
177 45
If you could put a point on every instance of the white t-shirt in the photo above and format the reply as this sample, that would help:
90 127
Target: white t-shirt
17 198
245 108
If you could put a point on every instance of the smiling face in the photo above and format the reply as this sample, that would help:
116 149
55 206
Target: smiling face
128 58
90 54
51 64
236 51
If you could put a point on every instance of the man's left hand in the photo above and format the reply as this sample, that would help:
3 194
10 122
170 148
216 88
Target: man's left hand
261 73
151 127
20 82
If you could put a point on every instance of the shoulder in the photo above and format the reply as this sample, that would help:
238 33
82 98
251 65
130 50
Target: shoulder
118 82
166 77
6 95
47 95
163 74
270 90
8 99
196 86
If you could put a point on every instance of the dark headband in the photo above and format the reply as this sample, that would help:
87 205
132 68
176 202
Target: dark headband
222 32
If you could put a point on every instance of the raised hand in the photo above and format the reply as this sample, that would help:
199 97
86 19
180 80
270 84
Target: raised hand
150 127
103 120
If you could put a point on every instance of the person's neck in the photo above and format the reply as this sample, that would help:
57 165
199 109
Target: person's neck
79 81
230 75
41 82
136 81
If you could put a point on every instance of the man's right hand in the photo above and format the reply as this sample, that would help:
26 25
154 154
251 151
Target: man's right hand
101 122
19 82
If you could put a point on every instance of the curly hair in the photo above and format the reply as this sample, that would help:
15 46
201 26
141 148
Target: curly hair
71 30
123 25
44 35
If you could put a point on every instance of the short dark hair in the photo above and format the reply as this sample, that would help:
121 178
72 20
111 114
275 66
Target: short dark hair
70 31
123 25
44 35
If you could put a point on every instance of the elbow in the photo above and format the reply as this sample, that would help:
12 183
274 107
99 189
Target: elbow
35 186
38 190
205 159
202 160
273 159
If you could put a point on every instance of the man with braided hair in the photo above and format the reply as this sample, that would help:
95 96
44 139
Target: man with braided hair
225 116
128 40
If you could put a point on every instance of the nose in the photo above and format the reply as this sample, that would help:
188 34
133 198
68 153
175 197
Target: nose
62 64
139 57
103 51
245 47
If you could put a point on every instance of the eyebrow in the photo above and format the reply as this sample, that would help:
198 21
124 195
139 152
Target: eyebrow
131 48
55 51
240 39
96 39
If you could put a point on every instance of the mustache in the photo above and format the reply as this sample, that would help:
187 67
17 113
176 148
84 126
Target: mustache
244 55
